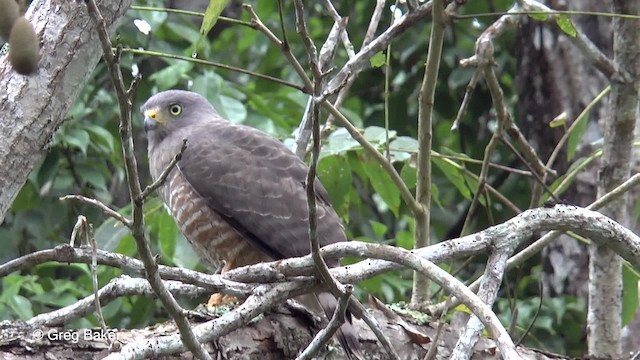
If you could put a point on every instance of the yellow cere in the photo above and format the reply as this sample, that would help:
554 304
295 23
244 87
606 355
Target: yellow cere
151 114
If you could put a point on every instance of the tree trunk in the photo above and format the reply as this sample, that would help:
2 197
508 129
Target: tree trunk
554 77
33 107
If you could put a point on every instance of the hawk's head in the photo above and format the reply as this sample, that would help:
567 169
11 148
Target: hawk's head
175 109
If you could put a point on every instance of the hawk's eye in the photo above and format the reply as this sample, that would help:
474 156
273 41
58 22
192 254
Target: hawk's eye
175 109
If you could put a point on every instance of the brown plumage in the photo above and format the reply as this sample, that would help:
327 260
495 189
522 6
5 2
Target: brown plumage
237 194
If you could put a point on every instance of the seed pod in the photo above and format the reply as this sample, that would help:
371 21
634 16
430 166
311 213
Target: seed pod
24 50
9 12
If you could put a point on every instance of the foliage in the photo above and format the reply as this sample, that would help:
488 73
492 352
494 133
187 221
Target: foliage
84 156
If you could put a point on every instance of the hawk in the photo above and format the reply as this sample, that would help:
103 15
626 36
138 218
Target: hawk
238 195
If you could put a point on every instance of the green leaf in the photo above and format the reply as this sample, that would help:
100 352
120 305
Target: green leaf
102 136
77 138
230 108
454 175
171 75
211 15
377 134
92 175
378 228
183 255
403 148
338 142
409 175
630 279
335 174
575 138
566 25
27 198
404 143
377 60
435 196
167 233
404 239
109 234
383 185
540 16
21 306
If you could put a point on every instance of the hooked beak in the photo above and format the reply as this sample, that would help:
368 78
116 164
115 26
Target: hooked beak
150 121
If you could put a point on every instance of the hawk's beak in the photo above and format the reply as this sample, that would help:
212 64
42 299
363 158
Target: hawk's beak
150 119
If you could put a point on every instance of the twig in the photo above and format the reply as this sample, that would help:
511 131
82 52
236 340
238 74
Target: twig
453 286
164 175
590 51
67 254
78 228
541 243
91 241
420 291
262 299
260 26
327 54
482 179
344 36
584 113
466 99
344 90
98 204
118 287
355 134
360 311
373 23
324 335
361 60
191 13
301 26
405 193
133 181
539 178
217 65
493 274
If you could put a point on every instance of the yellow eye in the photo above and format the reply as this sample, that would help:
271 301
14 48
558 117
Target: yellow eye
175 109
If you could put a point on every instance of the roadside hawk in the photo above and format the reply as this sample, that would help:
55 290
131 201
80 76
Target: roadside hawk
238 195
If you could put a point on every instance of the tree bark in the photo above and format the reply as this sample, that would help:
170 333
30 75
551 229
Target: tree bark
605 269
33 107
554 77
275 336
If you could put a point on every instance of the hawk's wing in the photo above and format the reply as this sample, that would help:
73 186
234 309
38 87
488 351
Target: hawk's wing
257 184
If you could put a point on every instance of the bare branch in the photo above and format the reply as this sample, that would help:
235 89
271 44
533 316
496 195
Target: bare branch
361 60
98 204
324 335
164 175
67 254
590 51
118 287
133 181
537 246
426 99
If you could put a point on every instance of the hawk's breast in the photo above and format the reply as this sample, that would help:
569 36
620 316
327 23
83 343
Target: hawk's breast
212 238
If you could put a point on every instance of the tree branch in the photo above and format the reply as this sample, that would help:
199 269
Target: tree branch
133 181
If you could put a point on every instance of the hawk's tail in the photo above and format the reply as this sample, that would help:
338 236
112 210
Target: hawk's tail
346 334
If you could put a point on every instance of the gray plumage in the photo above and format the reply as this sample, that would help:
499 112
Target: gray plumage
234 186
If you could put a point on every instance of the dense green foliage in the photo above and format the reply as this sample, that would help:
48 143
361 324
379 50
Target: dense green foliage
84 158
